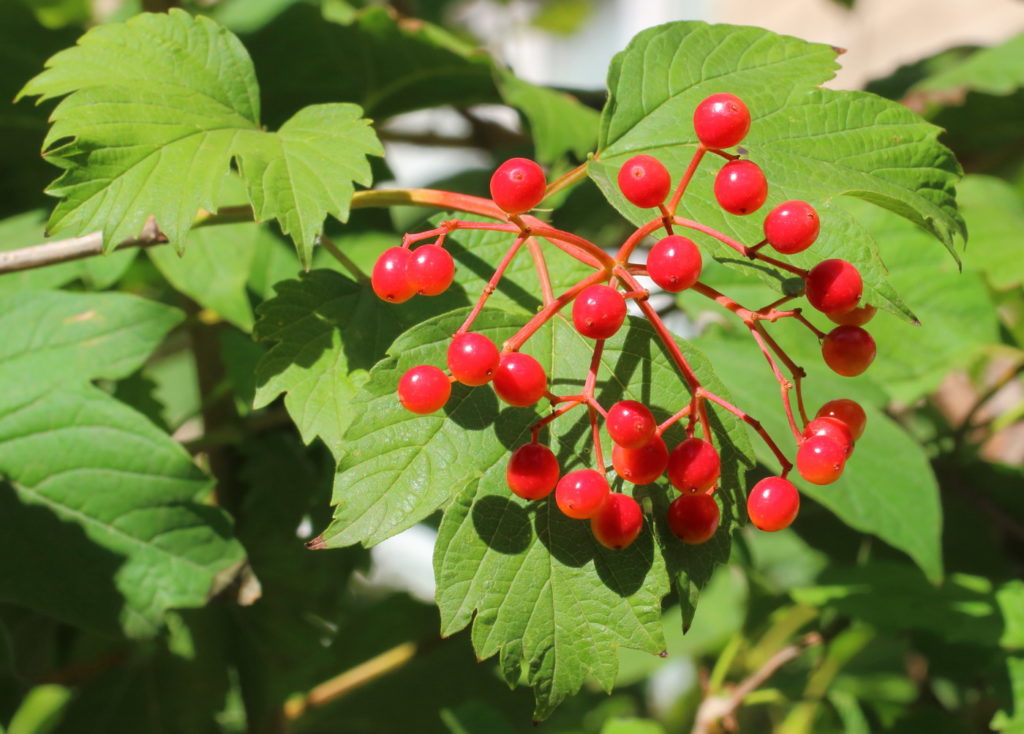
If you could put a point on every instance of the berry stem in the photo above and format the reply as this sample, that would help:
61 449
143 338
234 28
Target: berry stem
803 320
566 180
595 430
492 284
543 276
796 372
674 419
545 314
427 197
346 262
757 331
755 424
698 155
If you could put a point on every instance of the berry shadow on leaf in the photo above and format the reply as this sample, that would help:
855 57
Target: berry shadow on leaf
484 270
472 408
568 540
502 524
512 425
624 571
787 284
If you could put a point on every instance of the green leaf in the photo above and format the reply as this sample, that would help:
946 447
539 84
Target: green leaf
996 70
632 726
1011 718
41 710
994 211
559 123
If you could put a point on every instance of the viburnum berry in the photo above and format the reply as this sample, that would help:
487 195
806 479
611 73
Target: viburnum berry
820 459
791 227
580 494
740 187
532 471
598 311
694 518
721 121
674 263
430 270
854 317
389 278
643 465
848 350
773 504
520 380
845 410
424 389
644 181
619 521
834 286
694 466
833 429
473 358
630 424
518 185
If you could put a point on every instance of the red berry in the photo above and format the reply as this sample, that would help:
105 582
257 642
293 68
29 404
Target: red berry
773 504
389 278
791 227
845 410
473 359
532 471
740 187
644 181
630 424
820 459
518 185
642 465
598 311
430 270
520 380
833 429
721 121
854 317
580 494
693 518
848 350
674 263
424 389
834 286
618 522
694 466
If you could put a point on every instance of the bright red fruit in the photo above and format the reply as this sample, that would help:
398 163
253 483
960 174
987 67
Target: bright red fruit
580 494
674 263
518 185
598 311
389 279
773 504
845 410
854 317
630 424
693 518
721 121
618 522
473 358
532 471
520 380
848 350
644 181
791 227
834 286
430 270
424 389
740 187
820 459
642 465
833 429
694 466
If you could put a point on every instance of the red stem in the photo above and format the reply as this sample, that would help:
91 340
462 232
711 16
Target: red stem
698 155
784 385
755 424
543 276
492 284
542 316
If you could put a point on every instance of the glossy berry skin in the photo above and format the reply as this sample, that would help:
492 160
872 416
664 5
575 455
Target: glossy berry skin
643 465
791 227
834 286
389 278
721 121
598 311
520 380
473 359
580 494
518 185
773 504
832 429
694 466
532 471
424 389
740 187
848 350
845 410
694 518
674 263
820 459
618 522
430 270
644 181
854 317
630 424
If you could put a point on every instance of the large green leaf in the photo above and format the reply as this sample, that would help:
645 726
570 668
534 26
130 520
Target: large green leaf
558 123
994 70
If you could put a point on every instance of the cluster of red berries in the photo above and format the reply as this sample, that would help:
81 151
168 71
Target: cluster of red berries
599 305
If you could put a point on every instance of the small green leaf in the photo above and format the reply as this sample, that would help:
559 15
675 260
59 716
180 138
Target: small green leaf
41 710
632 726
559 124
995 70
